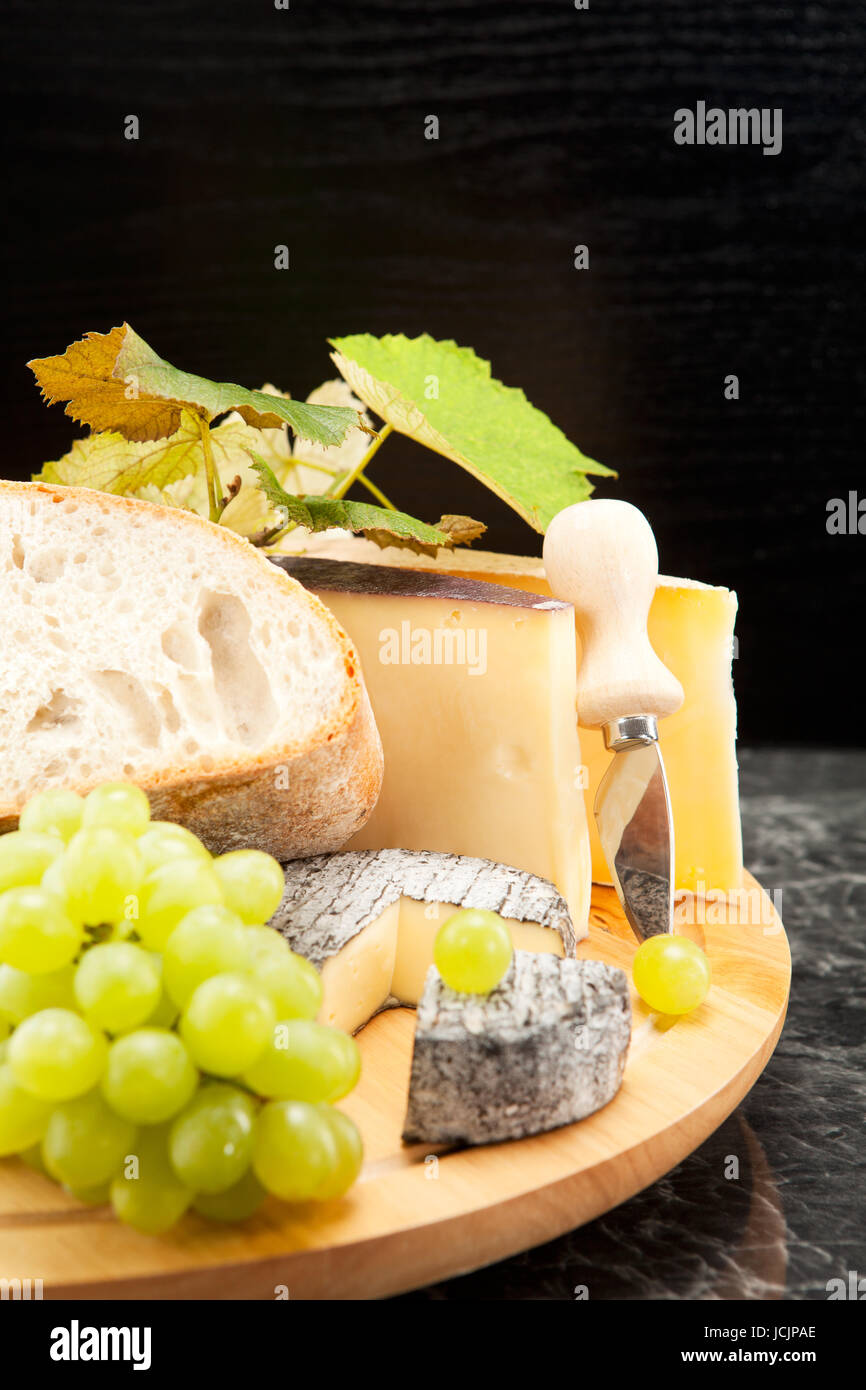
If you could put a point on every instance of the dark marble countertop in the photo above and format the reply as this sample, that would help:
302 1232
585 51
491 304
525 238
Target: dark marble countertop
796 1217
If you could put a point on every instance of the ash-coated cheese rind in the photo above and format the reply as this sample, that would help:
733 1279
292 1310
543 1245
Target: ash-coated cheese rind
330 898
545 1048
369 919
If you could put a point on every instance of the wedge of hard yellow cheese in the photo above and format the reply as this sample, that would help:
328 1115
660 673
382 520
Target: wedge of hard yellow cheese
473 688
691 627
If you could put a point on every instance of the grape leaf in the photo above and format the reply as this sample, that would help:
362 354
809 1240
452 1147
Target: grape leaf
445 397
115 381
110 463
462 529
379 524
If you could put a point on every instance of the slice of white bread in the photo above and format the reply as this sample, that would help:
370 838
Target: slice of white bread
143 643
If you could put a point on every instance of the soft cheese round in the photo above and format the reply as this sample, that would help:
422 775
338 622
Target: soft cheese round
545 1048
331 898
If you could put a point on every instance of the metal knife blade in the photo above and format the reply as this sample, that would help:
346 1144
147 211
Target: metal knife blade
633 813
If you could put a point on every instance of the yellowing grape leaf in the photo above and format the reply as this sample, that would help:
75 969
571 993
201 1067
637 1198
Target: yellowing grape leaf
115 381
445 397
378 524
462 529
111 463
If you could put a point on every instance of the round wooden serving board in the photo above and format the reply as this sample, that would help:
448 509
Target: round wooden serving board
414 1216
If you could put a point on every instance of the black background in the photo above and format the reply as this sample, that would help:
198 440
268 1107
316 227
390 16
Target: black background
306 127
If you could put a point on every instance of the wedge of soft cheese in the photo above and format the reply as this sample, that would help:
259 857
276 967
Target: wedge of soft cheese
691 627
473 687
546 1047
367 920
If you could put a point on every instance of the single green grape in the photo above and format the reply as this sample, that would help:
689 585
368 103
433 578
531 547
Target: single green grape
55 811
149 1077
291 983
117 806
671 973
23 994
165 841
211 1141
472 950
117 985
127 928
102 872
295 1152
96 1196
23 1117
207 941
236 1203
305 1061
86 1142
227 1024
57 1055
253 883
165 1015
35 933
33 1157
170 892
266 943
24 857
53 881
147 1193
350 1155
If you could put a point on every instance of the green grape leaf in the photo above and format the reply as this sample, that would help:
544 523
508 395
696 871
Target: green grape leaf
115 381
444 396
378 524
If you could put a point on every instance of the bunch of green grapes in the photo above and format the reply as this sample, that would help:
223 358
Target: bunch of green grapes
158 1043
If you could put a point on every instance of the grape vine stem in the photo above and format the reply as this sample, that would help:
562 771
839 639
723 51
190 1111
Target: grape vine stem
214 487
356 474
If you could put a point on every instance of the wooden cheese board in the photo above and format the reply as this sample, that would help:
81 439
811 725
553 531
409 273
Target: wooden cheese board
418 1216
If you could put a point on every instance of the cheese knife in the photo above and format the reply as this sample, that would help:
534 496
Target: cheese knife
601 557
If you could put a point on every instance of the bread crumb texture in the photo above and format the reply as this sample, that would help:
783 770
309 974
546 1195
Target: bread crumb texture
139 641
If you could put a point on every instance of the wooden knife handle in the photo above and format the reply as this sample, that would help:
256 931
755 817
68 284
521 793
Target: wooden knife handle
601 556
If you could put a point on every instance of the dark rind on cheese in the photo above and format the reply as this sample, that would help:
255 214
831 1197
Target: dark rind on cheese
545 1048
346 576
330 898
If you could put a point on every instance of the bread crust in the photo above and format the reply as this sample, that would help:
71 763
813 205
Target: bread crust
291 799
